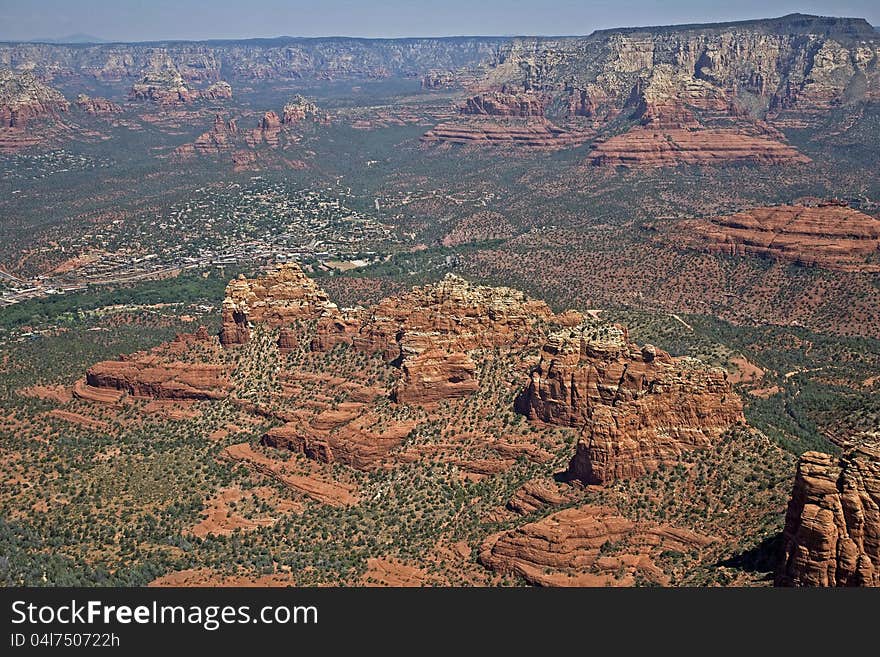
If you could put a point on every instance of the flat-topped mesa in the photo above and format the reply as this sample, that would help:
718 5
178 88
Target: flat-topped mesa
826 235
832 527
277 299
638 407
530 133
648 146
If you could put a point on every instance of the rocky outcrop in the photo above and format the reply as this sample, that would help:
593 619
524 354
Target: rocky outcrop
218 91
162 83
478 132
586 546
827 235
346 434
298 109
280 297
218 140
637 407
650 147
30 111
832 527
452 315
24 99
438 80
536 495
145 375
502 103
434 375
97 106
267 132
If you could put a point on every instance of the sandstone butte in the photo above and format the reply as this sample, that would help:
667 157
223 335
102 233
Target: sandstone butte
281 297
637 407
224 137
26 106
832 527
502 118
827 235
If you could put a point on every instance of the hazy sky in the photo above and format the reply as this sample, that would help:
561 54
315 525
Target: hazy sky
140 20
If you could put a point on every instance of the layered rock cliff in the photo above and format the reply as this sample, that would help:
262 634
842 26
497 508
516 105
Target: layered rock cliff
757 65
637 407
23 98
832 527
826 235
97 106
30 111
568 548
264 59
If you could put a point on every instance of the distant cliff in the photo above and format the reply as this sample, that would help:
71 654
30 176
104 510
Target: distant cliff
282 58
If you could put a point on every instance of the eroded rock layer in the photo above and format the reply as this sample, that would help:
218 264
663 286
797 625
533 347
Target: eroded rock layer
571 548
144 375
826 235
832 527
488 131
637 407
650 147
452 315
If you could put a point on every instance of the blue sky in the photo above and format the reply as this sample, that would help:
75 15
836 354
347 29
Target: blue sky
138 20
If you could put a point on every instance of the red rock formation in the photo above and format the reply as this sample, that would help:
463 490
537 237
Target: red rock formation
826 235
650 147
218 140
566 549
433 375
218 91
144 375
162 83
452 315
298 109
535 495
97 106
637 407
346 435
524 133
29 111
287 340
438 80
267 132
23 98
281 297
501 103
832 527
